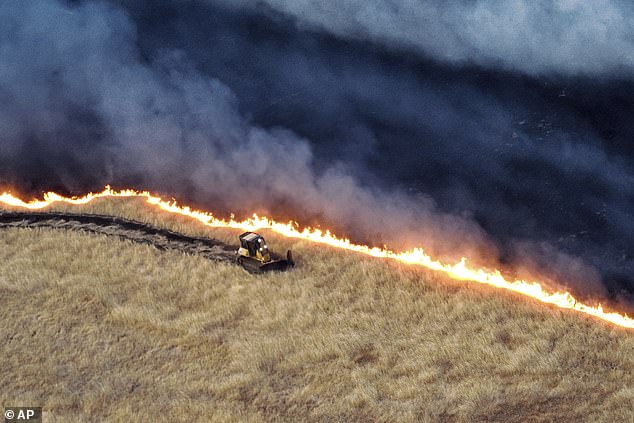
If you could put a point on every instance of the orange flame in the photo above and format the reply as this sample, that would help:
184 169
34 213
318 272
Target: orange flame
417 256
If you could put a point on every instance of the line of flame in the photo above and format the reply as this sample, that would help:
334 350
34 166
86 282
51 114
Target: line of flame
417 256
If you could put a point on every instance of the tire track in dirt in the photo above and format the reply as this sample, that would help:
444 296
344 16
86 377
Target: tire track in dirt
130 230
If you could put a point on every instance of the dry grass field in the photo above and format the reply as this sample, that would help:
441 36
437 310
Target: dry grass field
97 329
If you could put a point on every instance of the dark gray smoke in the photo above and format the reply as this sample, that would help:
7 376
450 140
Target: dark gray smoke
81 106
531 36
239 109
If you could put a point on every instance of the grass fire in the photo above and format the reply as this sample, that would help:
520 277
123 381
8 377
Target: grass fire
99 328
458 271
351 211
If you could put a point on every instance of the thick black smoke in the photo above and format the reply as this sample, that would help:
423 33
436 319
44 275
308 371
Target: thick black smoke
240 108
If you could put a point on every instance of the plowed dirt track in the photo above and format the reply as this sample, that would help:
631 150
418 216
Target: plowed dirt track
130 230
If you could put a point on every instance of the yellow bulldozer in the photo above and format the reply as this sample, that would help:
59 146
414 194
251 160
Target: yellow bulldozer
255 257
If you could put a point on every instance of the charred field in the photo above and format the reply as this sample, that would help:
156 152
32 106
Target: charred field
99 328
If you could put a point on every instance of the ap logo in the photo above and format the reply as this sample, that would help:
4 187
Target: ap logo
23 415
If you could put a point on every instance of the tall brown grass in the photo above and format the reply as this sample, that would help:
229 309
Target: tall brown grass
97 329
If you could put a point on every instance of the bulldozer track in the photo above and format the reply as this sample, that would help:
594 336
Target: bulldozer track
130 230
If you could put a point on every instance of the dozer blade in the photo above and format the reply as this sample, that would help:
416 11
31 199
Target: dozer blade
255 266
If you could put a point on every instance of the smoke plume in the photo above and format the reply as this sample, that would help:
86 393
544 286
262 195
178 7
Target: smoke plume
531 36
306 115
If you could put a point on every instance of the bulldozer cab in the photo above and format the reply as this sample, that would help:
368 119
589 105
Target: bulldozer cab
254 256
253 246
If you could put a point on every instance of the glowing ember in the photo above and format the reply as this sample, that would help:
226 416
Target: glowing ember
417 256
